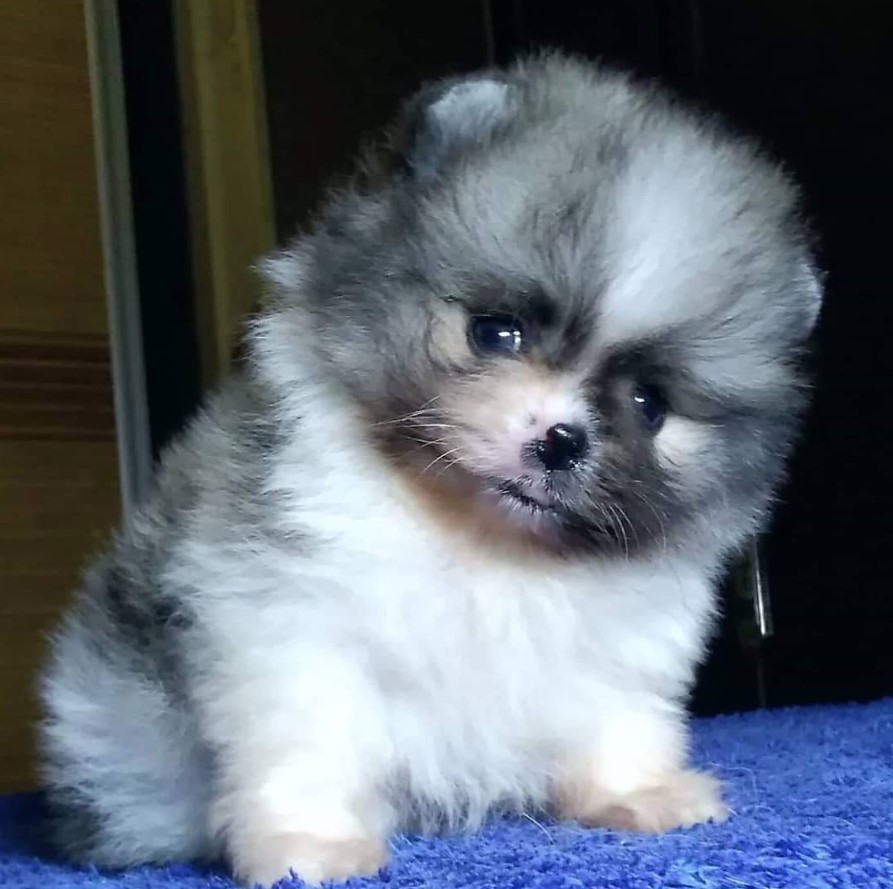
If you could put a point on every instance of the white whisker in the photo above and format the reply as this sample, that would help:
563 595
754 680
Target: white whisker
416 413
442 456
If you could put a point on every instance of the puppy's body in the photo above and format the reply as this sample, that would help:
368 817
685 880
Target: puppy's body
373 589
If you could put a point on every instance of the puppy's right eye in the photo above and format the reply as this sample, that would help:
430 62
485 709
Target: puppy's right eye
496 334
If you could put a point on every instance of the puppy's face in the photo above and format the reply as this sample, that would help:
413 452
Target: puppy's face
577 304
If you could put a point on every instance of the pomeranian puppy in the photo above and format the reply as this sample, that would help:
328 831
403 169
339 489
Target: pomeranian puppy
449 543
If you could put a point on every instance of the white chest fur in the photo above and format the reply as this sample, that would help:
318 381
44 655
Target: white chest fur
390 648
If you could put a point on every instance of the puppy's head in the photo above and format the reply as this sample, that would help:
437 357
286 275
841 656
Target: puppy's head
575 301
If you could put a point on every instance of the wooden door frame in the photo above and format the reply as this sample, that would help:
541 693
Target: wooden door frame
227 166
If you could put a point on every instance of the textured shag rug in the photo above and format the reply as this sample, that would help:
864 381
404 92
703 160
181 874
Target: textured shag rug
812 790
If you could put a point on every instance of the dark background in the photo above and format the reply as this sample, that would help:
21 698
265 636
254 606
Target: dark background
807 79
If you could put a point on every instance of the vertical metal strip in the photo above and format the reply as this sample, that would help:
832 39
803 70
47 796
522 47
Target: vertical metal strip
762 605
762 617
119 250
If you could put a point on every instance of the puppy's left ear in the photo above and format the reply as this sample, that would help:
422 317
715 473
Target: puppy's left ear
445 119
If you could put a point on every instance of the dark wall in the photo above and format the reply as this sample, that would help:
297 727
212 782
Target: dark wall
336 70
160 216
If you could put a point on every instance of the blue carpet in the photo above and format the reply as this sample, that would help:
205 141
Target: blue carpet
812 790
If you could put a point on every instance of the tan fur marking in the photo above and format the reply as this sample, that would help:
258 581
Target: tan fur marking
270 858
680 799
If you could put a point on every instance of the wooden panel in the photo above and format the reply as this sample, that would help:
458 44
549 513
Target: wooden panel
55 387
58 471
50 259
58 501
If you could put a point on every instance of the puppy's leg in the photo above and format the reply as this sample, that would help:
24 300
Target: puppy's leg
631 775
300 760
283 818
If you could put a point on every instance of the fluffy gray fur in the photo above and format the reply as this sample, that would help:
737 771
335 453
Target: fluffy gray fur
636 243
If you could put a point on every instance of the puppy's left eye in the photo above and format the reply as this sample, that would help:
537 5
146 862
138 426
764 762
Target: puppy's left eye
651 404
497 334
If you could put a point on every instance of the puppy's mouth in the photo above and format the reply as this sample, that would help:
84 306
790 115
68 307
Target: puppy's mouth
526 497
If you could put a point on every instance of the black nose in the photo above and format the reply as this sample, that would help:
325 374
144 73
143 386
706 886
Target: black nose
563 446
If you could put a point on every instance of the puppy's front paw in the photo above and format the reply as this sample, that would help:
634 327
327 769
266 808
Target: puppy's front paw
682 799
265 860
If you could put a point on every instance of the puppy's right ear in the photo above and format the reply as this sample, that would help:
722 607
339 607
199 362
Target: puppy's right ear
446 118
